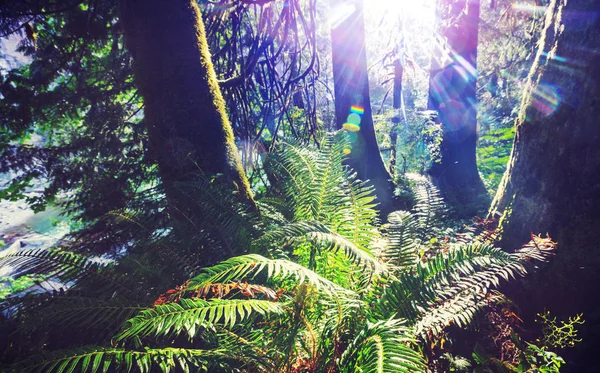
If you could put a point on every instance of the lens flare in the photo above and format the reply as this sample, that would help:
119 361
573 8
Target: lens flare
545 99
357 109
529 8
351 127
339 13
354 119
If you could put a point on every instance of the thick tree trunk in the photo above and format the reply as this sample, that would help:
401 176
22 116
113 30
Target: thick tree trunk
452 94
552 182
184 110
351 89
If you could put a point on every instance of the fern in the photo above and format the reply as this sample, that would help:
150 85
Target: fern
69 267
101 359
250 266
189 315
451 287
83 313
430 208
401 248
353 309
382 347
322 237
357 222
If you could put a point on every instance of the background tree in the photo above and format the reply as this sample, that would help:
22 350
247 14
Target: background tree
552 182
351 86
507 46
452 95
396 119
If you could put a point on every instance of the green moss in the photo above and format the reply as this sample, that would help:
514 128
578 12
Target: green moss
184 109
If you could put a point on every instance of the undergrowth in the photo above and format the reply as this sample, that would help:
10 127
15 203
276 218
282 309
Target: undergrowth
314 283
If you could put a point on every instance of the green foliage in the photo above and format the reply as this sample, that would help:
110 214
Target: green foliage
555 336
451 287
10 285
382 347
493 153
189 315
253 265
326 288
102 359
418 139
543 360
429 209
531 358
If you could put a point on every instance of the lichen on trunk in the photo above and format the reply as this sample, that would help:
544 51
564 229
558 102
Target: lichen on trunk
552 181
184 110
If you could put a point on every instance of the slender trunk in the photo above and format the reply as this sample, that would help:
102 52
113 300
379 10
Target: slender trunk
351 89
452 95
552 182
396 104
184 110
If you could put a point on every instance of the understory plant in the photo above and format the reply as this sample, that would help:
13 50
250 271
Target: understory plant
321 285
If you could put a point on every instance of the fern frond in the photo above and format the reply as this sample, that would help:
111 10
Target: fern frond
218 211
451 288
429 208
313 179
250 266
458 310
382 347
81 312
68 267
322 236
359 218
294 166
401 249
189 315
100 359
412 294
328 179
335 242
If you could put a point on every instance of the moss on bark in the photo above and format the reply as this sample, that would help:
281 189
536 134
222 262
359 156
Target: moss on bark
184 110
552 182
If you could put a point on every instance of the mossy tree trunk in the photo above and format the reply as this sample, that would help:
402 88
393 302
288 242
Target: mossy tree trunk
184 110
452 94
351 89
552 182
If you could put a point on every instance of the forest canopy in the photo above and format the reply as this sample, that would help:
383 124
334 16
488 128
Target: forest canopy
299 186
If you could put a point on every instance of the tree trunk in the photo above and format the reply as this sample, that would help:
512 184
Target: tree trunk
452 94
396 104
351 89
552 182
184 110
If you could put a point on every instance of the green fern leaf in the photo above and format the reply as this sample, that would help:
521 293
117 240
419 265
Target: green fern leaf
250 266
382 347
189 315
100 359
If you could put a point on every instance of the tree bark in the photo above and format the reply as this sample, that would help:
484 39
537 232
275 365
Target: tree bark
351 89
452 94
552 182
396 104
184 110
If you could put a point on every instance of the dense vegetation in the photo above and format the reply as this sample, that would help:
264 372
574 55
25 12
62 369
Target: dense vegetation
267 186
